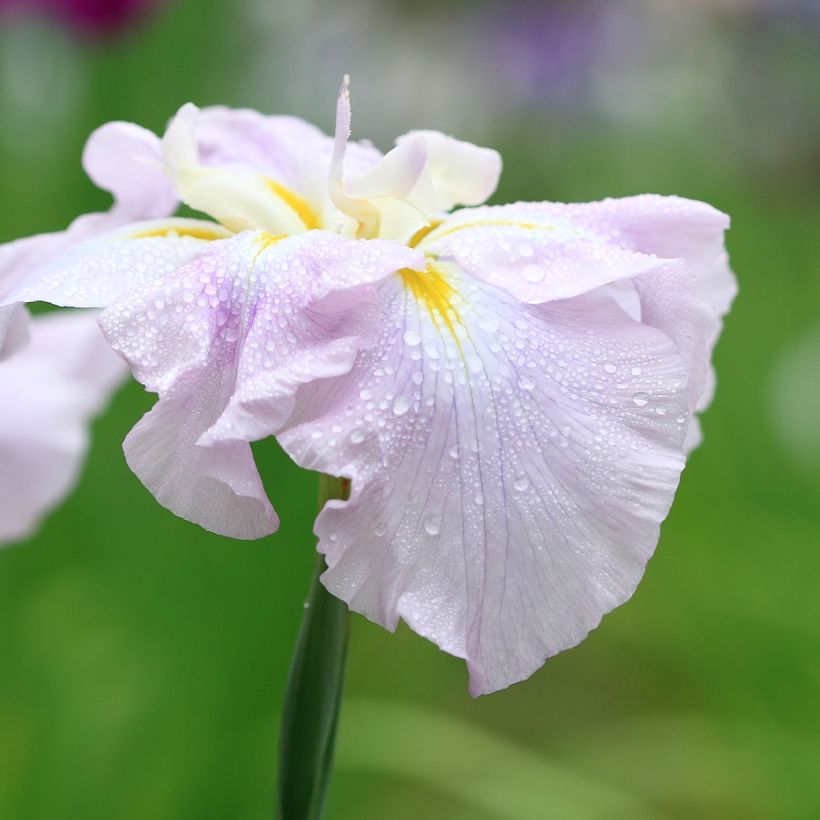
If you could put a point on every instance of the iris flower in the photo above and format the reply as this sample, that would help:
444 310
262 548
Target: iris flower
510 390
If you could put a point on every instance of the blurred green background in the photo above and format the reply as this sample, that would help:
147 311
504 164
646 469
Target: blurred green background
142 660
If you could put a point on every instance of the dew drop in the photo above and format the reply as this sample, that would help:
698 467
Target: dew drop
412 338
521 483
432 526
357 436
401 405
532 273
640 399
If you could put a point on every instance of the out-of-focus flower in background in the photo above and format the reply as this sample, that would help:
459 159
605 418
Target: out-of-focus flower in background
92 17
794 399
52 386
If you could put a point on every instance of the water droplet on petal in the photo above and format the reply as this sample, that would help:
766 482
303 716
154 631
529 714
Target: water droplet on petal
532 273
640 399
412 338
401 405
432 526
521 483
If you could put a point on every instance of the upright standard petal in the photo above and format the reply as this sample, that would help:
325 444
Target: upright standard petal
51 389
125 160
510 467
457 172
226 341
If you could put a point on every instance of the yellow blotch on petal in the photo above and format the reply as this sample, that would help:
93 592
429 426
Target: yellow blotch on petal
207 234
422 232
481 223
266 239
295 203
432 290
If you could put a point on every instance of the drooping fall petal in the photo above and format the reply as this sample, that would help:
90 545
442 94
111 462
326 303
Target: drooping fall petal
226 341
51 389
510 467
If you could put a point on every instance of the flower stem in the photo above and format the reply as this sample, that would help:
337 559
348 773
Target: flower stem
313 695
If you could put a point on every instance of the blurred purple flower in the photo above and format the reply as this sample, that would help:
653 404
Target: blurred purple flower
547 52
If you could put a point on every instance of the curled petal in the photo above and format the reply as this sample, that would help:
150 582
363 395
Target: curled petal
674 228
426 173
125 160
686 304
226 341
664 255
510 467
533 251
457 172
51 389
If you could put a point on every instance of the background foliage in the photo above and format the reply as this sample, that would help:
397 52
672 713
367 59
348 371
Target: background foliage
142 660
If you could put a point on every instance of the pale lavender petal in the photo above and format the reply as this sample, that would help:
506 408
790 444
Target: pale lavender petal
226 341
458 173
283 148
13 329
533 250
95 272
51 389
510 467
125 159
674 228
669 250
689 303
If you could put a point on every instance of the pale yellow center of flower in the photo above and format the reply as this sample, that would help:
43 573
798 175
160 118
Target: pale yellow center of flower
207 234
295 203
431 289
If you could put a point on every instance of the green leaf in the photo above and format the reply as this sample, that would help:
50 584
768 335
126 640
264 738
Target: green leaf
313 694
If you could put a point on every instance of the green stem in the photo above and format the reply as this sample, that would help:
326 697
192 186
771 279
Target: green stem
313 695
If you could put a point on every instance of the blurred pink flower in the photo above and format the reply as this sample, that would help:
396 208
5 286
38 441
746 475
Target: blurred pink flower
96 17
508 388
